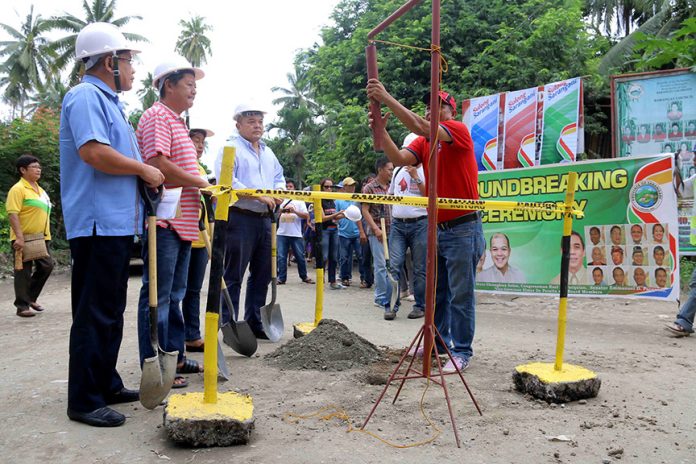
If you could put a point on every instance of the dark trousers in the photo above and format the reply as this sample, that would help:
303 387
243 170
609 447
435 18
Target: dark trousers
366 270
191 304
98 295
248 243
29 282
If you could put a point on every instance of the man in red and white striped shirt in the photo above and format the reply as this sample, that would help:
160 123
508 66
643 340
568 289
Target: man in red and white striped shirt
165 143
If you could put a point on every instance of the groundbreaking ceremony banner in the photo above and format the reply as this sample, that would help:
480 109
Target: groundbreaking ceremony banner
482 117
626 245
559 143
519 134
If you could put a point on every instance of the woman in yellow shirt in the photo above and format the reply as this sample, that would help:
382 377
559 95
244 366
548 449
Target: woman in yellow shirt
29 209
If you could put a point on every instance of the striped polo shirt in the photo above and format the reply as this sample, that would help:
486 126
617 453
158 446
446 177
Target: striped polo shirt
32 208
163 132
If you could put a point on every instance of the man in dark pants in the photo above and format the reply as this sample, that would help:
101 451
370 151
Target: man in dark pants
99 169
249 222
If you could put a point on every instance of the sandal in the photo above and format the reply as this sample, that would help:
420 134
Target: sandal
308 281
281 282
36 307
189 366
180 382
677 330
26 312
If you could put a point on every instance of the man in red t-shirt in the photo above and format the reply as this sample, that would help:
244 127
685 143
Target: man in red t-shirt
460 234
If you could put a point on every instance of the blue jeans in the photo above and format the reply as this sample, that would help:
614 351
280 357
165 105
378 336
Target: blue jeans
173 256
248 243
413 235
685 318
383 286
347 247
191 305
459 250
284 245
329 248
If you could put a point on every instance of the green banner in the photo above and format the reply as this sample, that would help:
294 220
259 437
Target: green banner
625 245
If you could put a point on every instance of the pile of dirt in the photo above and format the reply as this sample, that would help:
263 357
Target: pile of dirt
330 347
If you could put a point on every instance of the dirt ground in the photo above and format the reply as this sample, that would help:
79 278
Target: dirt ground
645 411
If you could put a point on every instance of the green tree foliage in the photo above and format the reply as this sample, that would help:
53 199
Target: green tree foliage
96 11
678 50
148 94
27 57
38 136
490 46
192 43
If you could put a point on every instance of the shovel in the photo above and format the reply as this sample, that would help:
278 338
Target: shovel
390 275
222 366
235 334
159 370
271 317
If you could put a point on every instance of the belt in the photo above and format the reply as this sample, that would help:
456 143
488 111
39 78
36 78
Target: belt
247 212
471 217
410 220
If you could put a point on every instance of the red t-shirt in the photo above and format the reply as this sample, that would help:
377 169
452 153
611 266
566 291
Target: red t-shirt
457 171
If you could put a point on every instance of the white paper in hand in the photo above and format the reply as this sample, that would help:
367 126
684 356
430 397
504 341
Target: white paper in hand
169 206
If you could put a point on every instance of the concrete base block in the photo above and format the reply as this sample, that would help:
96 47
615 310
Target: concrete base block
572 383
190 422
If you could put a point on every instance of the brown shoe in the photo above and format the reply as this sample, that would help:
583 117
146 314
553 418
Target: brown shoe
26 312
345 282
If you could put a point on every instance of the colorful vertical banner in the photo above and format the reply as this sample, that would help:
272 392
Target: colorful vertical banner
482 117
560 127
519 133
626 245
655 113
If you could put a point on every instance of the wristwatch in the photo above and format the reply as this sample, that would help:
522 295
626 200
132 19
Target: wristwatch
418 181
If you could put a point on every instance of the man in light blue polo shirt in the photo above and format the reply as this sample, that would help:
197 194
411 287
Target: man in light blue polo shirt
249 224
99 169
348 237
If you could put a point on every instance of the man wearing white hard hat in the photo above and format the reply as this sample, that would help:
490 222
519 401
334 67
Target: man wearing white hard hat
99 168
249 226
165 143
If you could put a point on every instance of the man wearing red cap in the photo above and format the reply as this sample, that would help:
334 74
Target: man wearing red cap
460 234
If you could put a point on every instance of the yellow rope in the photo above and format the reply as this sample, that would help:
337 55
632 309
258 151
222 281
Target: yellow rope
335 412
444 67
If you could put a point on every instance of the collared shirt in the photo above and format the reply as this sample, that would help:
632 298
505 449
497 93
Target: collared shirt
93 200
493 274
403 185
163 132
32 208
378 211
252 170
290 224
577 278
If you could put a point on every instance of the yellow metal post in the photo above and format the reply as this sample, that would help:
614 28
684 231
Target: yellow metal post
319 298
565 247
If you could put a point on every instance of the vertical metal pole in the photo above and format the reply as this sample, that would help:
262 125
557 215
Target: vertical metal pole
565 261
372 73
431 263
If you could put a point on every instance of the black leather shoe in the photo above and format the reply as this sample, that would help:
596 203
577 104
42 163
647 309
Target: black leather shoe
124 396
261 335
102 417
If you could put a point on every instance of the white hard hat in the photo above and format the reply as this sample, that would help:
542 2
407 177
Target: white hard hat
100 38
171 65
409 139
247 107
353 213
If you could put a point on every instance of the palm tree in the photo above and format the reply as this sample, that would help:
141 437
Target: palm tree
97 11
192 43
51 96
148 94
299 93
27 64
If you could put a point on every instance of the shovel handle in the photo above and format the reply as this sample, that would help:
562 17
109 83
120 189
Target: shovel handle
384 238
19 263
151 197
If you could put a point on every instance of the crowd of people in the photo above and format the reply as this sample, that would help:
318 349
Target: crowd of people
105 165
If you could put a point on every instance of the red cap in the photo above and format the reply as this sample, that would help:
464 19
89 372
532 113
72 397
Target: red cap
445 97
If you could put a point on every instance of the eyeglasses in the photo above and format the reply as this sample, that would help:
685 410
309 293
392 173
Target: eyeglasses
34 166
123 58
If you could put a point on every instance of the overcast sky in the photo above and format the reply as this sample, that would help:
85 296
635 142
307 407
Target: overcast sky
254 44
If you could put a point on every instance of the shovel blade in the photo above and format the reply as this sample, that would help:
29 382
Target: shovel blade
272 321
223 372
157 378
239 337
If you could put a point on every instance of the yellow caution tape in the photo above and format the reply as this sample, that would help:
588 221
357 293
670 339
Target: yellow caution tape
442 203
